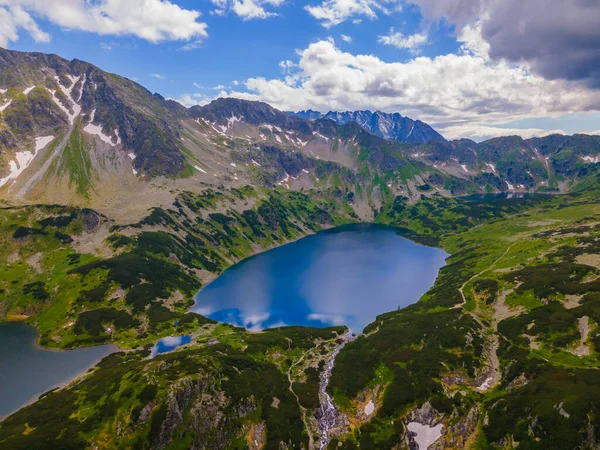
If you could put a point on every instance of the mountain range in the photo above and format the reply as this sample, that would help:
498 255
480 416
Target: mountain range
392 127
71 132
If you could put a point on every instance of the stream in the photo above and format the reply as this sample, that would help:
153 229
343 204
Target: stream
329 413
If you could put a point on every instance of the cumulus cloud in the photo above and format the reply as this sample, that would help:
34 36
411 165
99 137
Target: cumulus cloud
558 40
151 20
448 91
561 40
246 9
14 18
399 40
346 38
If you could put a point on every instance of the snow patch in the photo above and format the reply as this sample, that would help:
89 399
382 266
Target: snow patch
131 155
6 105
41 142
510 186
23 159
233 164
591 159
255 163
464 168
82 86
486 384
285 181
96 130
69 94
305 171
118 137
28 90
315 133
425 435
263 137
3 91
233 119
278 139
199 169
491 166
370 408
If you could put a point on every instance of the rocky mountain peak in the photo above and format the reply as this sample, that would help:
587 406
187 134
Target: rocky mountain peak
390 126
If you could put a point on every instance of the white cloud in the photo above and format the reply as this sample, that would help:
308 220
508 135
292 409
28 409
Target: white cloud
218 87
482 132
189 100
334 12
158 76
287 65
448 91
151 20
13 18
346 38
192 45
398 40
473 42
246 9
235 82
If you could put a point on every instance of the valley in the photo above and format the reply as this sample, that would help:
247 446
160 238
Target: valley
135 203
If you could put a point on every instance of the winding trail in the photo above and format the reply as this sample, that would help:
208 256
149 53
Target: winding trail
311 442
492 373
477 275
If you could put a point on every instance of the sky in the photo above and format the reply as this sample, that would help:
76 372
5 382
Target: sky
470 68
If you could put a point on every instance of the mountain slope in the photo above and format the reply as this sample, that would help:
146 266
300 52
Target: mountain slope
45 99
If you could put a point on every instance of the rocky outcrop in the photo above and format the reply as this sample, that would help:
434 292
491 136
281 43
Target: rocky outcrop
197 407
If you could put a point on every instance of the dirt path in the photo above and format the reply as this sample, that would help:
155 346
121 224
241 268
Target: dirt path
311 443
584 329
477 275
492 375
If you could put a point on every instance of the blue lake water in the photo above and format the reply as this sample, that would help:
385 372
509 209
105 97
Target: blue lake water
27 371
168 344
346 276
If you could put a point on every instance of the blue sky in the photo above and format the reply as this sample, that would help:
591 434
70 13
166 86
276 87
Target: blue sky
430 60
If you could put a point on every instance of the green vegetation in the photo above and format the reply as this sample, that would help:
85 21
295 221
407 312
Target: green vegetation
204 395
143 290
521 282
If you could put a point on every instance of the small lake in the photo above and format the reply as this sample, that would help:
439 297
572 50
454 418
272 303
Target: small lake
345 276
27 371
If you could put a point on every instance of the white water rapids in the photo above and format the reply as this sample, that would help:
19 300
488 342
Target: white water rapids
329 413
